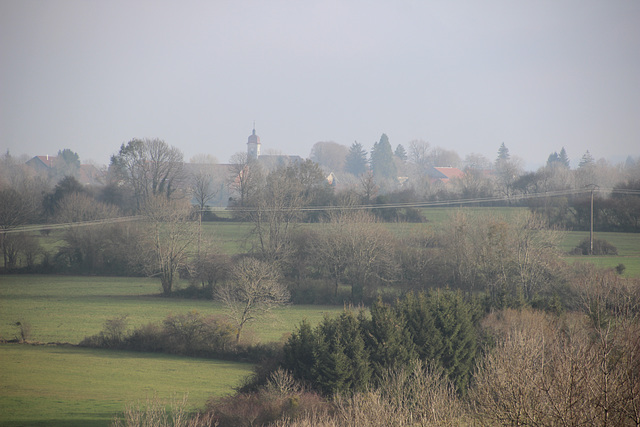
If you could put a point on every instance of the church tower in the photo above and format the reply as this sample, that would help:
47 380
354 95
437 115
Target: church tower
253 145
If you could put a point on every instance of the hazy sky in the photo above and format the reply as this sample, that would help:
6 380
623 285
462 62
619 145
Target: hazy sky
464 75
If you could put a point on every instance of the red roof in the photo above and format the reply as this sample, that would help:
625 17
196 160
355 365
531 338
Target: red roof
449 173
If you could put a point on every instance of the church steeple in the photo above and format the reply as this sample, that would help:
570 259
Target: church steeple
253 145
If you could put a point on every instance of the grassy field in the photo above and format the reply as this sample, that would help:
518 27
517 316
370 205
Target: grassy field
69 308
69 386
72 386
230 237
628 245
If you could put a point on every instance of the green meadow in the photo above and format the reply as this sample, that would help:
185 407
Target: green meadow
67 385
70 386
69 308
628 245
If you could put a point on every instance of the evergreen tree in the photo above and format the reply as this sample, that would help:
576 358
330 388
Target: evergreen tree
299 353
387 339
419 314
382 159
354 349
65 187
401 153
332 357
455 320
343 354
503 153
563 158
332 366
586 160
356 160
67 163
331 369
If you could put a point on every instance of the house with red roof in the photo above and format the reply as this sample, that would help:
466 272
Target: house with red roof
444 174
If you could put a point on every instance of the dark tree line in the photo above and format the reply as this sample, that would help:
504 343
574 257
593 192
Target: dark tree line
349 353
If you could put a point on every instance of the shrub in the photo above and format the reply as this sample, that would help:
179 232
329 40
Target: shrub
314 291
154 413
147 338
281 398
419 395
190 334
600 247
115 328
195 291
112 335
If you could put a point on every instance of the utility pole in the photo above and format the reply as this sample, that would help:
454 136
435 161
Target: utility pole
593 187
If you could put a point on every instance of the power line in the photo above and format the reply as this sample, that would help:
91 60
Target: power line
42 227
431 204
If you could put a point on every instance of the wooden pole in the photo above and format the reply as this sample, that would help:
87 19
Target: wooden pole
591 228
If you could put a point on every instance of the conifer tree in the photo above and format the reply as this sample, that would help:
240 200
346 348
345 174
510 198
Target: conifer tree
563 158
382 159
354 349
454 319
343 354
419 314
299 352
552 159
331 370
503 153
387 339
586 160
401 153
356 160
559 159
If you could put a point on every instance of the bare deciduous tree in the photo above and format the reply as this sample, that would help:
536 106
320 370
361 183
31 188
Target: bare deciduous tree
84 244
356 249
15 210
419 153
507 172
204 186
548 371
276 212
245 177
170 233
442 157
253 291
368 188
210 266
513 257
149 167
